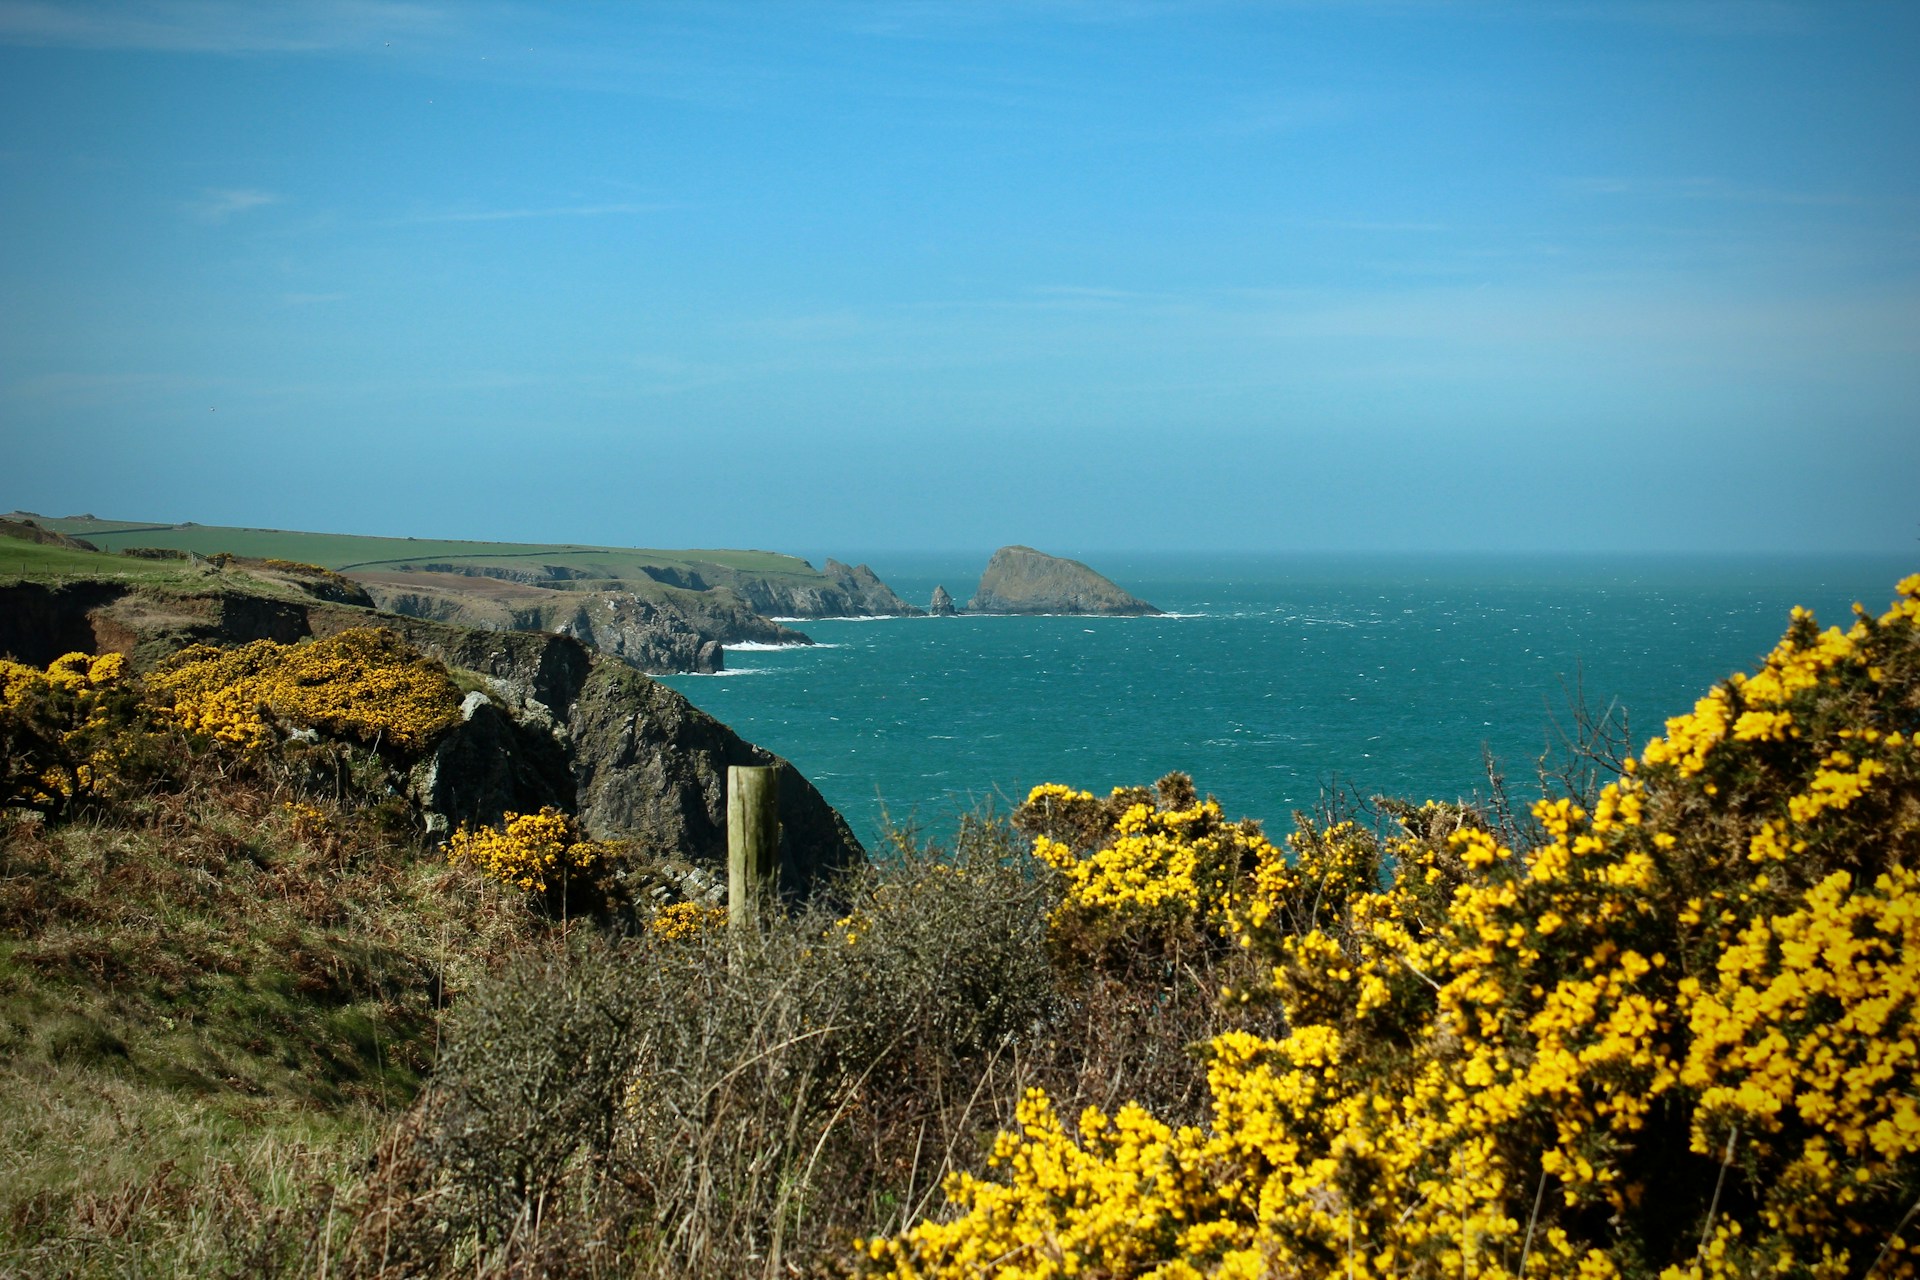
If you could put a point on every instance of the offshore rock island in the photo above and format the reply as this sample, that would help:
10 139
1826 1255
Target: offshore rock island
1021 580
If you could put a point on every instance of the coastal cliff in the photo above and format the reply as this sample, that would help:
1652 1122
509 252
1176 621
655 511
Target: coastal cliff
840 591
552 723
1022 580
657 629
872 597
662 612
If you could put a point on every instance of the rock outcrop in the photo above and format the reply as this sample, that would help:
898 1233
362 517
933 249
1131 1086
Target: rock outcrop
1022 580
941 606
558 724
667 629
868 596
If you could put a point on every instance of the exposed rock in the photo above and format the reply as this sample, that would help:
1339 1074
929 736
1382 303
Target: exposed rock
1022 580
868 596
840 592
564 726
487 766
666 630
941 606
647 763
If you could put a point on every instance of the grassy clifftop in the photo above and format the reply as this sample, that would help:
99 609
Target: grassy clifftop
661 611
343 552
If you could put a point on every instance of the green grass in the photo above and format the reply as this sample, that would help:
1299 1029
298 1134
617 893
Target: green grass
353 551
21 560
211 1003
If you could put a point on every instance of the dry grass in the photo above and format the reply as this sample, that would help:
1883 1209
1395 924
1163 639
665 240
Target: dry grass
249 1027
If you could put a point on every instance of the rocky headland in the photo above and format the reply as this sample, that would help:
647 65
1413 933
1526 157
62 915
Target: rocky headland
941 606
1022 580
550 721
653 627
661 612
870 597
840 591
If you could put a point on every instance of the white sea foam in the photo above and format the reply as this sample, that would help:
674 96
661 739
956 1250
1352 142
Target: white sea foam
848 617
761 646
733 671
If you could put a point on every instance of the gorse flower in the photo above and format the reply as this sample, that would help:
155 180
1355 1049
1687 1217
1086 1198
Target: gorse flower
679 920
65 732
365 684
1679 1036
529 850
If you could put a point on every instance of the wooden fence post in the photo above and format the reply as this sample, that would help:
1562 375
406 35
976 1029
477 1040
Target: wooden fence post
753 841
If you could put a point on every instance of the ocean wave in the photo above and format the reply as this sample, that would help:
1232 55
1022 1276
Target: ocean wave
732 671
1309 620
848 617
761 646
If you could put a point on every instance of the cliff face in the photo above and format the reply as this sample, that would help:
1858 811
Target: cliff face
870 596
841 592
1022 580
559 724
666 629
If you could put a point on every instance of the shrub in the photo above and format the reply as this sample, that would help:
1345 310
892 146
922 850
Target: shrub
1142 873
726 1102
529 850
66 732
686 920
1674 1037
366 685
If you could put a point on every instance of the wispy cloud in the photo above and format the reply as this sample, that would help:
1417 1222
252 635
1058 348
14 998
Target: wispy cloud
215 26
939 19
1705 17
1364 224
555 211
217 204
1703 188
90 388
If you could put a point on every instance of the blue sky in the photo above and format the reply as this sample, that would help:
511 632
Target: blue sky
1593 276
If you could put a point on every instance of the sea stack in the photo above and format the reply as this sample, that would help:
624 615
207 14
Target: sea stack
941 606
1022 580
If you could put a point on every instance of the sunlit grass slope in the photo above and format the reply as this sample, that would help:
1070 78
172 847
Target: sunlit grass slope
352 551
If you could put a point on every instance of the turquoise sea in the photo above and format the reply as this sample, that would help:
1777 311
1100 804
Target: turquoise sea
1272 677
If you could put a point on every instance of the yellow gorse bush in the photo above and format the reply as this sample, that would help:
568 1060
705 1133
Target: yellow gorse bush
1140 863
679 920
365 684
528 850
1678 1037
63 730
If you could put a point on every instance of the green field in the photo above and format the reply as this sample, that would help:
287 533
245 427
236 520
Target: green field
348 552
21 560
